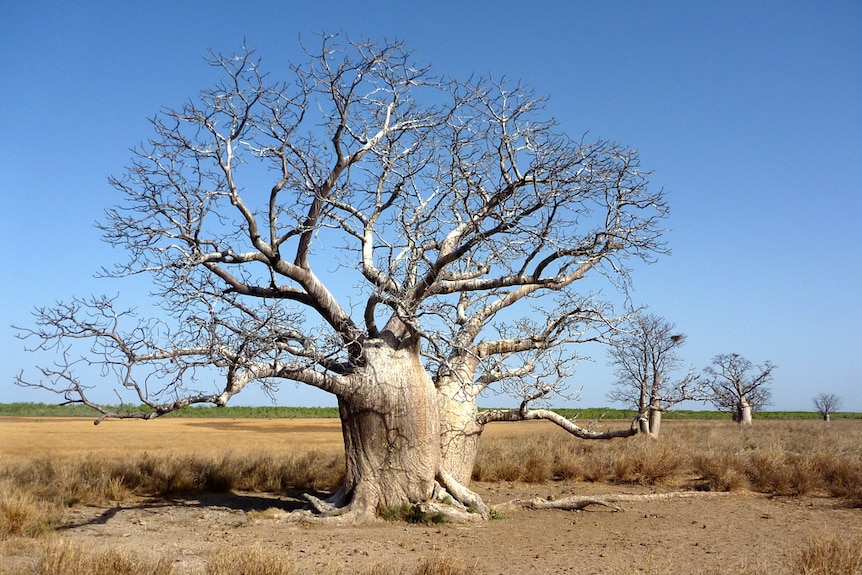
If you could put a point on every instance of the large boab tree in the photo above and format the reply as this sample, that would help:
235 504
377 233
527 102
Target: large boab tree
402 241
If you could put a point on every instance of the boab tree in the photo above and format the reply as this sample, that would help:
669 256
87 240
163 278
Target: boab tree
826 404
401 241
644 352
738 386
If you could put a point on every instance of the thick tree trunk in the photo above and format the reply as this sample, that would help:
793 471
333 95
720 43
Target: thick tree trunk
654 421
460 431
644 424
391 433
743 413
826 417
643 411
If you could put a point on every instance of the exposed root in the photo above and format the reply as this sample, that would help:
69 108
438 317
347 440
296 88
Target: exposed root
356 513
450 502
577 503
347 518
324 508
463 495
451 514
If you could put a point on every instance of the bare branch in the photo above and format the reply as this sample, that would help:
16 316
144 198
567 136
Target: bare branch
731 388
546 414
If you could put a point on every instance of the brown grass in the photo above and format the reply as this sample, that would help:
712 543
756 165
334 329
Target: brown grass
24 514
783 458
255 560
36 487
822 555
789 458
829 556
56 557
62 557
35 494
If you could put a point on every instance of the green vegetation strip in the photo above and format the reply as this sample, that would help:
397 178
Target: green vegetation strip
239 411
274 411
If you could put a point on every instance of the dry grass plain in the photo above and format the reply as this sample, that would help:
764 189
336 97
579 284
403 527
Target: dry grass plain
193 496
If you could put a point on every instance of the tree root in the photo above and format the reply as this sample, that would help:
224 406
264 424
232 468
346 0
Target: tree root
463 495
468 507
580 502
323 508
450 502
347 516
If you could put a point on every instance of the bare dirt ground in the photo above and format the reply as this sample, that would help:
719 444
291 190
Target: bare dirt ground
699 535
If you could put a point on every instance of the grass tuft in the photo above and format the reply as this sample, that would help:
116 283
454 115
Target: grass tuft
256 560
63 557
829 556
23 514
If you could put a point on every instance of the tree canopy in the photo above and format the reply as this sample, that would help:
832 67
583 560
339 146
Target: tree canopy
738 386
360 226
645 353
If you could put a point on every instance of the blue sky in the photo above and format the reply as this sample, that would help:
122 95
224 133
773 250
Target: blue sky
749 114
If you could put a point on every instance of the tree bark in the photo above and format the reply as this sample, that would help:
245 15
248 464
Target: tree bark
460 431
654 421
391 433
744 413
644 424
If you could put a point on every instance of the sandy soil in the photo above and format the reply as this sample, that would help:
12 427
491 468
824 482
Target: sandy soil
681 535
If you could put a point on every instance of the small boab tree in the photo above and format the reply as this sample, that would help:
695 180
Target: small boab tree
644 352
826 404
401 241
736 385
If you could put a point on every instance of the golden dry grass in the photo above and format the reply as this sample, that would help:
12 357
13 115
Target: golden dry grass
777 457
70 559
822 555
53 464
58 557
67 462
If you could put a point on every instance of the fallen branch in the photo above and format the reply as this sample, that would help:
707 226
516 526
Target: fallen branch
580 502
524 414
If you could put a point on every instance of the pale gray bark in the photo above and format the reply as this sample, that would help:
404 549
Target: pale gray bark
391 431
745 414
577 503
655 421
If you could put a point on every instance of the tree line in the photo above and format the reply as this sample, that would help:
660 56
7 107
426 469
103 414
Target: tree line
646 357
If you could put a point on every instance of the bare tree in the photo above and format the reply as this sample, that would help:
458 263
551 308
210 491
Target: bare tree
826 404
737 386
401 241
645 354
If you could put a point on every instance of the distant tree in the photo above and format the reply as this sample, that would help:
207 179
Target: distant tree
646 360
402 241
734 384
827 404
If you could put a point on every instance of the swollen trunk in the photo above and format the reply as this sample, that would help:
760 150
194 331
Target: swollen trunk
460 431
391 431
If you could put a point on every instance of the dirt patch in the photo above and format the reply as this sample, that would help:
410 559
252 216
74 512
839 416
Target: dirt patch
691 534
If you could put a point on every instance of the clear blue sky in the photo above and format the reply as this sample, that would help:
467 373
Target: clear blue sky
749 113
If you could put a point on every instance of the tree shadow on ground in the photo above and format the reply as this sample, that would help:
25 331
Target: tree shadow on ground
239 501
